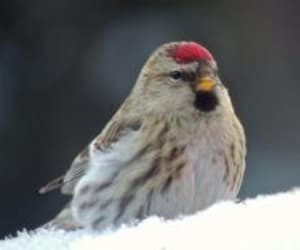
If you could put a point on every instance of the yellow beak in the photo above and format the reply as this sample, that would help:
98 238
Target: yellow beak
205 84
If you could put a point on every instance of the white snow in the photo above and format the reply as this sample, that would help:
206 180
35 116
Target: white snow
266 222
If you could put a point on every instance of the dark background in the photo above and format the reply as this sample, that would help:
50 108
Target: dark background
66 65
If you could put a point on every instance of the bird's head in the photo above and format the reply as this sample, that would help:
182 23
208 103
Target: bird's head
180 75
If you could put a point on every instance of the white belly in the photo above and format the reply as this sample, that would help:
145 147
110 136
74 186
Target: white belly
200 185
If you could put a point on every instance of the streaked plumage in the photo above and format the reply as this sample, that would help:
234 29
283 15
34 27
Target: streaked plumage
174 147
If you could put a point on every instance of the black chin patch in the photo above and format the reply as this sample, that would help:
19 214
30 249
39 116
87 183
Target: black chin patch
206 101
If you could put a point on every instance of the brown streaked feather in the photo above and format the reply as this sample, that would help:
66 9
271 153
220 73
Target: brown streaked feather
52 185
111 133
114 132
76 171
66 182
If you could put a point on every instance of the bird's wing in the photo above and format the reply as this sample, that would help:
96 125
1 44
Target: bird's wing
111 133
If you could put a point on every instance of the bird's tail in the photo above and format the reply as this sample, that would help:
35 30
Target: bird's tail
64 220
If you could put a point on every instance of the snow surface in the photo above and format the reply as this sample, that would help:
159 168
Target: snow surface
266 222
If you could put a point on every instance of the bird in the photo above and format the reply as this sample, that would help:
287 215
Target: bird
174 147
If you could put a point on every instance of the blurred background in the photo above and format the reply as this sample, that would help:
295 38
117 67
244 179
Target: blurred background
66 66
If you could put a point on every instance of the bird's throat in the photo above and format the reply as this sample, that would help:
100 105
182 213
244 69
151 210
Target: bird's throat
206 101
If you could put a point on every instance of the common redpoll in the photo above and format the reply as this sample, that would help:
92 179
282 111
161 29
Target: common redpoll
174 147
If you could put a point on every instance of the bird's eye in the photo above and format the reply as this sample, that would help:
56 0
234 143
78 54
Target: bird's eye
187 76
176 74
